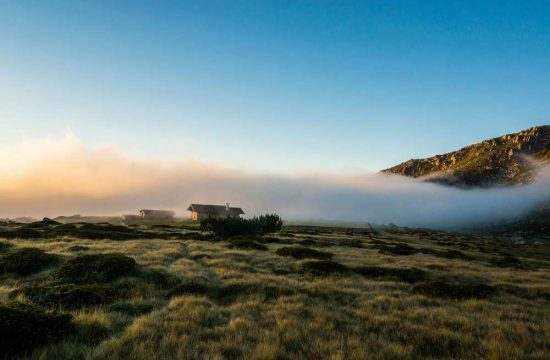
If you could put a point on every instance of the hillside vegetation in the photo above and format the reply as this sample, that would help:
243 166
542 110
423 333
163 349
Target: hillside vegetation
304 293
506 160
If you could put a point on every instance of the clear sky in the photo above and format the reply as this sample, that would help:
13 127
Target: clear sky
278 86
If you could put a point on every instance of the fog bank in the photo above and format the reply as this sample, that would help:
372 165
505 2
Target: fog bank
61 176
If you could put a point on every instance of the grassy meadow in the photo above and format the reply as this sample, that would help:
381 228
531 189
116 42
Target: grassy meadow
304 293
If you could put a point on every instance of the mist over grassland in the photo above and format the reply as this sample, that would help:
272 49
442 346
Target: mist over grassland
54 176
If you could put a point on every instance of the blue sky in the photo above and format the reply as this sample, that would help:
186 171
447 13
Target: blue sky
278 86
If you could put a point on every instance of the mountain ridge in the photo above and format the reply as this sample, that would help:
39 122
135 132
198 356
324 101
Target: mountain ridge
510 159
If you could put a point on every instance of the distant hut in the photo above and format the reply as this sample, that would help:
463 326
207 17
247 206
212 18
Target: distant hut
157 214
201 211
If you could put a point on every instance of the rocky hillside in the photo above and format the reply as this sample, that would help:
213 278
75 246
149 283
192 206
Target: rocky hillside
506 160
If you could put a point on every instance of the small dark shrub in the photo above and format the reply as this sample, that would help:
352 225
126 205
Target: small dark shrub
25 327
322 267
437 345
230 292
132 309
95 268
25 261
160 278
245 244
5 246
69 296
21 233
300 252
236 226
454 290
190 288
307 242
77 248
398 249
524 292
410 275
510 262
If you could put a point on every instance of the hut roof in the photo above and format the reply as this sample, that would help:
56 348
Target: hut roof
215 209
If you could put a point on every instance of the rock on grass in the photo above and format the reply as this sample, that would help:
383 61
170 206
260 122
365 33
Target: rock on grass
300 252
25 327
96 268
25 261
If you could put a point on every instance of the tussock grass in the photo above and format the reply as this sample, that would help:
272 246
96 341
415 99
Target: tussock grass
193 299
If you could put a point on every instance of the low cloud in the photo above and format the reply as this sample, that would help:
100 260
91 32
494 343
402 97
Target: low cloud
61 176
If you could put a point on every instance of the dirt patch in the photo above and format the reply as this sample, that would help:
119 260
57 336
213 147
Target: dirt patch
300 252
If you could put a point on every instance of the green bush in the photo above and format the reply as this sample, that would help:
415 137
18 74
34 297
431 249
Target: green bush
69 296
24 261
25 327
236 226
96 268
267 224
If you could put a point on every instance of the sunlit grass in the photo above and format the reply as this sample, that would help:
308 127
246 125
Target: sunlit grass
257 305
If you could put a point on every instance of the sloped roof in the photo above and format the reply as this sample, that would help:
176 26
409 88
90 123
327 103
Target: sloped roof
215 209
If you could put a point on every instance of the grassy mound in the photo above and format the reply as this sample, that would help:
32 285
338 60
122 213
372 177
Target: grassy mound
410 275
97 268
300 252
323 267
69 296
454 290
24 261
25 327
245 244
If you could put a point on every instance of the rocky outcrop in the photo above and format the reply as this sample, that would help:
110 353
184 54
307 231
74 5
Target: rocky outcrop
506 160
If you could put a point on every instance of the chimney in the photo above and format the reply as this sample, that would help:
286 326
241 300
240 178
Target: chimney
226 206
